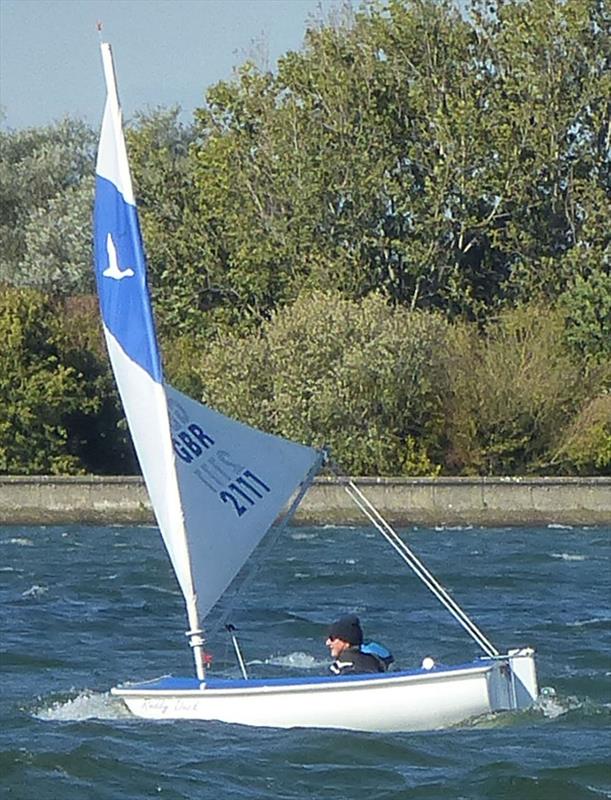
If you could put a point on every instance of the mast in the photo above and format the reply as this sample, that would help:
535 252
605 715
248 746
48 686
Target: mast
130 334
216 485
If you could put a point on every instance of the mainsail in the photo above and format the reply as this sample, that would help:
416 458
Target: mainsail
216 485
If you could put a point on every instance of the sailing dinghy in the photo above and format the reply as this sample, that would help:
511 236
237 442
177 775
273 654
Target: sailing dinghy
217 487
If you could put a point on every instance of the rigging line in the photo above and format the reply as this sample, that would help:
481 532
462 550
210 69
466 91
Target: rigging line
269 541
426 577
421 572
416 565
430 581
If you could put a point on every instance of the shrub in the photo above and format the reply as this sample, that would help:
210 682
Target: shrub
587 308
37 390
511 391
97 429
360 377
585 447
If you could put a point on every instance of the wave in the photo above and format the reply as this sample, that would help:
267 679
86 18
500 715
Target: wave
35 591
569 556
440 528
548 707
338 527
156 589
551 706
594 622
85 705
296 660
20 541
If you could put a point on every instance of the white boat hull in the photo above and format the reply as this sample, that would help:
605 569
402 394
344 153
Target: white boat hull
401 701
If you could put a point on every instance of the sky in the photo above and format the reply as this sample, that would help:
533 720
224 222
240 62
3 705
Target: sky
166 52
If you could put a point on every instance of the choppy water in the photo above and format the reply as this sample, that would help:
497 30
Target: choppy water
84 608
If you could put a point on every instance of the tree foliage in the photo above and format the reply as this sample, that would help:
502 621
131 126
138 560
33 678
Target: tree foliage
58 409
587 306
397 243
355 375
454 162
46 195
38 390
512 391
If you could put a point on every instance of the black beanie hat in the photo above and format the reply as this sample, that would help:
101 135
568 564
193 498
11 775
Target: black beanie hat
348 629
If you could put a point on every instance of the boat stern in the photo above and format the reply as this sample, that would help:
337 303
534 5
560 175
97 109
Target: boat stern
524 673
513 683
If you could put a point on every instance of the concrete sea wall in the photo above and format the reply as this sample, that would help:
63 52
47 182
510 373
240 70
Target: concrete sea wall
404 501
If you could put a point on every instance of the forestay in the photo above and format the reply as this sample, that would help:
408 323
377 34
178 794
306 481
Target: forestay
216 485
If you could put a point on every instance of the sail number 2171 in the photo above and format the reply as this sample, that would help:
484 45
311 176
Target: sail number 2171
246 489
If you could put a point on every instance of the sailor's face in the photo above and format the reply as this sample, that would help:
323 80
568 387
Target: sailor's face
336 646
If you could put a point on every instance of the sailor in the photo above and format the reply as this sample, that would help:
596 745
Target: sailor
344 640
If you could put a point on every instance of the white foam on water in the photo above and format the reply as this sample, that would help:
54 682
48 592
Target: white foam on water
20 541
158 589
557 526
568 556
597 790
296 660
548 705
331 527
86 705
584 623
551 706
35 591
296 537
440 528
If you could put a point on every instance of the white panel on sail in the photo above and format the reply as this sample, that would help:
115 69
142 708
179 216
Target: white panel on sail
120 267
234 481
144 403
216 485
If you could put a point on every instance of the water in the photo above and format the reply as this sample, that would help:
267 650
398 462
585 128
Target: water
84 608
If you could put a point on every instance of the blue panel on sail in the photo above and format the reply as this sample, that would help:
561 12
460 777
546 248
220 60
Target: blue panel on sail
121 277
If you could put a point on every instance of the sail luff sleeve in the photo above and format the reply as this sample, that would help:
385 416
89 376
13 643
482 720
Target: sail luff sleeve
216 485
120 268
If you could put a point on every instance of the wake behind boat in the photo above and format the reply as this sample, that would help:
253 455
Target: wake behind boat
217 487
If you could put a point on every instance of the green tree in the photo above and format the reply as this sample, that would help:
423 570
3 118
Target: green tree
96 427
511 392
45 208
158 145
585 445
587 308
59 410
38 391
58 244
549 127
455 163
360 377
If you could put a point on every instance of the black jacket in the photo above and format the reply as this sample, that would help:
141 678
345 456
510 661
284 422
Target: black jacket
352 661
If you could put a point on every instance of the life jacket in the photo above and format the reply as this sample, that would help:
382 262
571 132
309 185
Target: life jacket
380 652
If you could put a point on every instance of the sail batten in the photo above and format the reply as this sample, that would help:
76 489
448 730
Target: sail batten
216 485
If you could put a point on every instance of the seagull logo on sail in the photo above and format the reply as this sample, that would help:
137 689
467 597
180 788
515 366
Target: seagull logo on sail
113 270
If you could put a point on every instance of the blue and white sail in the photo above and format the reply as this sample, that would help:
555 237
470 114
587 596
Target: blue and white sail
216 485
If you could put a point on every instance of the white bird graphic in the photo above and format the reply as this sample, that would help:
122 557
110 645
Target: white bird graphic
113 270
